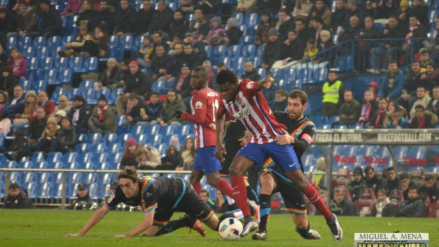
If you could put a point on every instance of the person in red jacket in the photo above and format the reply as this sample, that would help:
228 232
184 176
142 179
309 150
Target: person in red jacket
45 102
17 63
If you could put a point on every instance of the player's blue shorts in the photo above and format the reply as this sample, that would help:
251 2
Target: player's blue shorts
282 155
206 161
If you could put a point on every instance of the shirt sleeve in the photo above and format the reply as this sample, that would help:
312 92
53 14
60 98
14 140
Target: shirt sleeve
199 106
248 87
114 199
150 197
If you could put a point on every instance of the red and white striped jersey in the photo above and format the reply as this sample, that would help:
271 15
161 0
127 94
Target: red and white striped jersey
254 112
204 106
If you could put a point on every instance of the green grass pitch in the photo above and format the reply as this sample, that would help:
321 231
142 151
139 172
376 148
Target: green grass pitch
49 227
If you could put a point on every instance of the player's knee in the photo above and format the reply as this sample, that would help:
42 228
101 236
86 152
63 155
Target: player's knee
234 171
267 184
193 180
302 223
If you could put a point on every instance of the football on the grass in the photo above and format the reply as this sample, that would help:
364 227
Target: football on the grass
230 229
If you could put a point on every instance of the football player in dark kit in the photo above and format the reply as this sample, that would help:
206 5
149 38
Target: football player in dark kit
160 198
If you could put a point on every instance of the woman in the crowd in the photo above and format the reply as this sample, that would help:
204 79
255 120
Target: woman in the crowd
50 132
264 26
392 106
143 57
111 75
84 45
66 138
129 154
187 155
17 63
101 35
321 10
368 108
148 158
172 156
217 35
28 113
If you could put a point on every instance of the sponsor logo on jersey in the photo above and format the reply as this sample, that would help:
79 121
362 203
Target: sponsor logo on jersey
242 114
198 105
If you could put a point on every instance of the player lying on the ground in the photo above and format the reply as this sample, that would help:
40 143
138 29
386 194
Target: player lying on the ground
160 198
245 102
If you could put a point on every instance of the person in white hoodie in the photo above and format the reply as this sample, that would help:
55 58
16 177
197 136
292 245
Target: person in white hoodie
383 200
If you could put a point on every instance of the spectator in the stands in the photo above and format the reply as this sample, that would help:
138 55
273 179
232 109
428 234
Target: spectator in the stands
408 96
4 98
17 198
190 57
362 49
171 158
420 10
422 100
288 50
129 153
105 15
44 101
7 22
83 200
143 18
217 35
51 22
382 201
233 32
188 154
170 108
374 89
36 125
143 57
412 207
84 45
28 112
271 6
3 58
264 27
322 11
136 82
402 13
250 72
340 205
50 132
379 118
176 40
269 55
310 50
148 158
368 108
393 30
179 25
413 40
87 15
208 65
15 105
392 182
430 188
126 19
8 80
246 6
209 7
59 115
219 66
136 111
406 183
284 24
433 106
392 82
423 119
302 9
349 32
80 114
339 16
110 76
101 35
353 9
162 18
178 56
280 100
333 95
325 44
103 118
64 104
394 106
154 109
303 31
425 58
397 121
269 93
17 63
430 78
73 7
317 25
186 7
198 46
27 24
357 184
161 65
182 84
350 111
158 40
372 180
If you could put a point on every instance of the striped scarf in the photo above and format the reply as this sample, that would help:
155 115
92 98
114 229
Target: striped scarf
409 35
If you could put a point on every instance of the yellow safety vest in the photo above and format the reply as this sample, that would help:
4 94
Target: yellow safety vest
330 93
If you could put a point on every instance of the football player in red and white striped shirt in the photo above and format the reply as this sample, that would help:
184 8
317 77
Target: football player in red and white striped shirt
245 102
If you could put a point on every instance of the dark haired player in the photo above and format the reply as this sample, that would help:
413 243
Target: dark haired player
273 179
246 103
160 198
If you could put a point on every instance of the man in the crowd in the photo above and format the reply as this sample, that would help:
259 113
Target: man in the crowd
199 47
87 15
284 25
353 10
430 187
161 65
83 199
17 198
406 183
186 7
135 110
179 25
162 18
433 106
154 109
425 58
430 78
303 31
80 114
158 40
317 26
340 205
199 26
338 16
126 19
171 106
182 84
15 105
422 119
250 72
288 50
392 82
36 126
413 206
408 96
103 118
234 33
377 119
44 101
373 180
190 57
8 80
64 104
208 65
392 182
143 18
51 22
333 95
270 50
205 196
422 100
398 121
350 111
27 23
362 48
107 15
357 184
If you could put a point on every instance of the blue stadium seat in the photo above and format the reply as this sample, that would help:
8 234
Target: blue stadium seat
190 18
320 120
234 51
11 43
156 86
356 126
61 63
152 130
183 130
94 138
25 165
162 148
81 138
260 50
246 40
243 28
400 152
73 92
239 17
23 43
120 119
53 157
86 85
167 130
42 52
31 188
40 85
109 138
262 72
320 74
123 129
419 152
50 77
39 42
114 158
90 65
256 62
90 96
26 84
141 139
137 130
345 64
251 19
99 158
53 41
325 126
333 119
32 64
40 165
28 52
155 140
68 158
45 63
37 157
340 127
9 164
114 94
84 158
138 42
58 92
121 139
208 49
76 64
218 53
67 39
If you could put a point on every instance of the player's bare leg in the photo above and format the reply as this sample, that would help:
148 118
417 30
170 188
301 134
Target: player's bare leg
195 179
239 167
306 188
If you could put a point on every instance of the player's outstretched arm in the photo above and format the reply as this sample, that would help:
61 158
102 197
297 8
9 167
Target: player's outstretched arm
264 82
145 224
220 149
97 216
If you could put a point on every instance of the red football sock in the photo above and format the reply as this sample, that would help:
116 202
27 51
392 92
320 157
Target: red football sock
240 194
197 188
224 187
314 197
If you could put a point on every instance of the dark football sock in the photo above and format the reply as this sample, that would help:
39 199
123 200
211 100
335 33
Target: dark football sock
173 225
251 194
264 212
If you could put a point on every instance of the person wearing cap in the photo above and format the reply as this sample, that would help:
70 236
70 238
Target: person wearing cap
87 15
83 199
143 18
199 27
80 114
51 22
17 198
233 32
106 15
288 52
179 25
15 105
129 154
28 112
162 18
357 183
270 50
7 22
216 34
8 80
84 45
430 78
64 104
45 102
103 117
402 12
374 89
161 65
59 115
27 24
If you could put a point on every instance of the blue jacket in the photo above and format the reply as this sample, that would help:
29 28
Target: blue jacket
154 111
9 111
403 124
398 86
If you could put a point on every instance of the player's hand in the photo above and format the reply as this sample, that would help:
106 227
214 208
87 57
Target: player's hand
244 141
219 151
120 236
178 114
269 81
285 139
74 235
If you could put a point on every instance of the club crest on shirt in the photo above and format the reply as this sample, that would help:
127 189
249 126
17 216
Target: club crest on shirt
110 198
298 131
250 85
239 101
198 105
